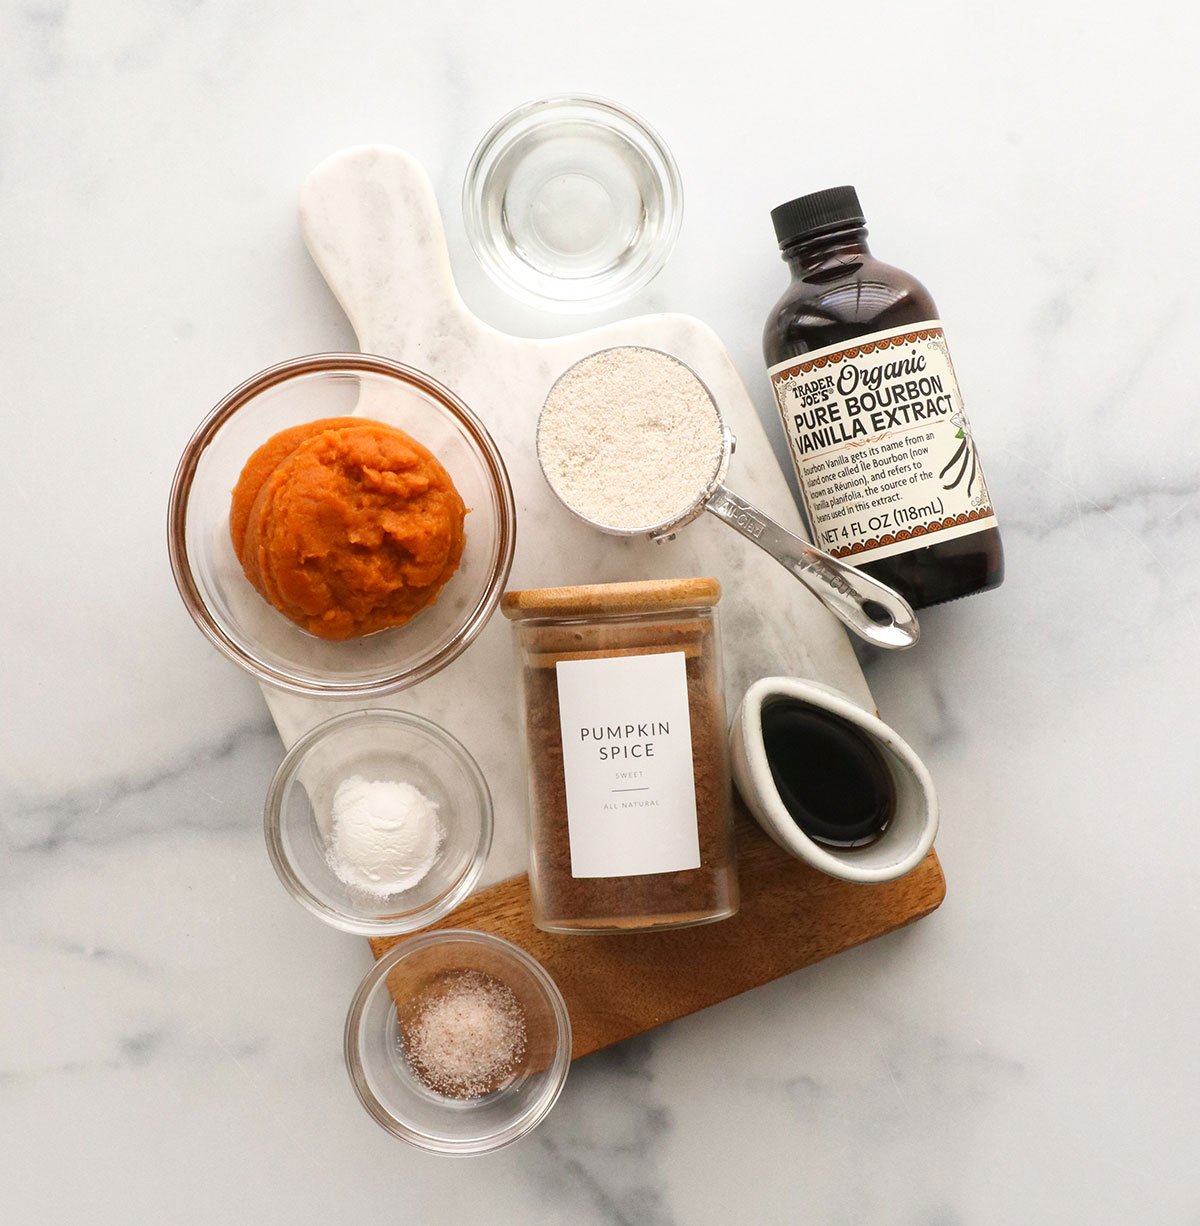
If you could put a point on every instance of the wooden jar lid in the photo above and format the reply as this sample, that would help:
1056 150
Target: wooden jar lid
597 599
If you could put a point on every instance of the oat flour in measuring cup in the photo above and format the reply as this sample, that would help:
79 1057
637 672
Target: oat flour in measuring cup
632 441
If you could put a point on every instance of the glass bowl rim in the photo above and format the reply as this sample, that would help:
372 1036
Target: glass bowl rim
670 178
412 921
558 1069
329 363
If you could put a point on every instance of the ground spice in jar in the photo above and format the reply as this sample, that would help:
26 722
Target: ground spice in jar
628 766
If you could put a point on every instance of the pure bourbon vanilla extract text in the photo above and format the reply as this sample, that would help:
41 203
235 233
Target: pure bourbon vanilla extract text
888 470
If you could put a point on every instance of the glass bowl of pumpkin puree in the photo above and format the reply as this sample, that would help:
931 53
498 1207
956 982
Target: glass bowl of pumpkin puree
315 449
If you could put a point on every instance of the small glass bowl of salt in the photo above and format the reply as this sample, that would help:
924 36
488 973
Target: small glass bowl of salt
379 822
458 1042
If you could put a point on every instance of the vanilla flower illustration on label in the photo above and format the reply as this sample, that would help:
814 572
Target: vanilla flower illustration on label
881 443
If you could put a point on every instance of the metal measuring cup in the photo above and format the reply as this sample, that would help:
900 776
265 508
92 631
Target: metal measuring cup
874 611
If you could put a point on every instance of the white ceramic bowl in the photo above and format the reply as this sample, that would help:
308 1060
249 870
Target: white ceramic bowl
909 835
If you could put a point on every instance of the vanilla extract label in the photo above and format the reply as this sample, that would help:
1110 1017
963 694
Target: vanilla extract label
881 444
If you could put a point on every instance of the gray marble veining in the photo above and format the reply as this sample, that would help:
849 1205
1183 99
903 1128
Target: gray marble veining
170 1037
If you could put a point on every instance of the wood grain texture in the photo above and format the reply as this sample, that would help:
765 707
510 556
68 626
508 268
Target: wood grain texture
617 986
630 596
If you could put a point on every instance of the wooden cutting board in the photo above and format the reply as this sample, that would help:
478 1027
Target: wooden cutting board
620 985
371 222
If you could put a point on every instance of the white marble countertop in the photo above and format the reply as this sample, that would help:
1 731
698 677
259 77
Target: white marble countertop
170 1042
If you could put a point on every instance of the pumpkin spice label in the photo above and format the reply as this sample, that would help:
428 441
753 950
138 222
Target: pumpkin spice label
881 444
627 757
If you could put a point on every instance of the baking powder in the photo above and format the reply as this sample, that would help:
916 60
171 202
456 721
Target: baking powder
385 835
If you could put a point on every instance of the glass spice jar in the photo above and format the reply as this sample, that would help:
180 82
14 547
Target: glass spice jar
625 741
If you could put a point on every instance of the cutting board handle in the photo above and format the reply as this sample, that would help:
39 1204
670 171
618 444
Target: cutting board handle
372 225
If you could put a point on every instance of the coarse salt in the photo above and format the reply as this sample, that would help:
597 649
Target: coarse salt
465 1034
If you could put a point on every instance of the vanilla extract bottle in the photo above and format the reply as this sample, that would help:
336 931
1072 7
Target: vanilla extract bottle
889 474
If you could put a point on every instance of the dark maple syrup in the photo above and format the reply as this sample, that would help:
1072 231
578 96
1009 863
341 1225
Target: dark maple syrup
831 777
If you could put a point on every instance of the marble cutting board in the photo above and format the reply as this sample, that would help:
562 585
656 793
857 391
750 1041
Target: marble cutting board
372 224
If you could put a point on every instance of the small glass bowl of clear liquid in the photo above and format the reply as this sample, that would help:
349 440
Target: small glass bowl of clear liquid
572 203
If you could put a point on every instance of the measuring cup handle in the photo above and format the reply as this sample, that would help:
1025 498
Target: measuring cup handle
871 609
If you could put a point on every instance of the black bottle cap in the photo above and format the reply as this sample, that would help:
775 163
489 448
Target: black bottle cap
835 206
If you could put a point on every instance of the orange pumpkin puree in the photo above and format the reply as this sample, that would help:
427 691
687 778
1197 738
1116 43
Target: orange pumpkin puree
346 525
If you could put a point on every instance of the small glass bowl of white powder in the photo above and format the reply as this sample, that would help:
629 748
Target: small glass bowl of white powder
379 822
458 1042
